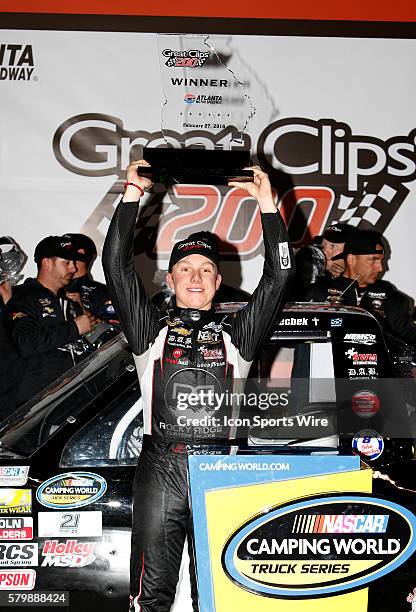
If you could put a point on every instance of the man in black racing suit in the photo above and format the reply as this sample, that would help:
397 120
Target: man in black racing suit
181 355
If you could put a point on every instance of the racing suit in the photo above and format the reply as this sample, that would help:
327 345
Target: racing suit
177 353
37 339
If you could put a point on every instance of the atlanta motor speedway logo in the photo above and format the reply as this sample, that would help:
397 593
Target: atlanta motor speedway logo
323 171
17 62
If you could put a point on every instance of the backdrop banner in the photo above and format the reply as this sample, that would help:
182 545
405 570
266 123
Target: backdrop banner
332 120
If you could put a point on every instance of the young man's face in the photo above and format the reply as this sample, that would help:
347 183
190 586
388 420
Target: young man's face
366 267
194 279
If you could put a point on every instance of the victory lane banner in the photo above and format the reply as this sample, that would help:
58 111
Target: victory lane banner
302 533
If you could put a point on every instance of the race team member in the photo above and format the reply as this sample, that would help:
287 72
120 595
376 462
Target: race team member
333 243
36 335
317 259
83 289
189 347
359 286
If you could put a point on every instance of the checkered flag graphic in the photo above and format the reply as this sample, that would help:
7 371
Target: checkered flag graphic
371 210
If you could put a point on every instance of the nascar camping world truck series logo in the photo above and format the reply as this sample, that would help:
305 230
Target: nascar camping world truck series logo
320 546
322 171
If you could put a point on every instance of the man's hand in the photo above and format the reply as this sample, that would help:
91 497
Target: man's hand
132 194
260 189
335 268
5 291
74 296
85 323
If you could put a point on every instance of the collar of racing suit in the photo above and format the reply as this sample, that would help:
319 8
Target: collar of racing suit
191 315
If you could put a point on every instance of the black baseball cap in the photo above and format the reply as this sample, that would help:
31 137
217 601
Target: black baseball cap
200 243
339 233
81 241
362 242
56 246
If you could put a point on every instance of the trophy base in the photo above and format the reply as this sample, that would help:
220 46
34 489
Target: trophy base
196 166
194 176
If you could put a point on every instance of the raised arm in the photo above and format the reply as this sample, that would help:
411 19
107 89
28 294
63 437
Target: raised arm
252 324
138 316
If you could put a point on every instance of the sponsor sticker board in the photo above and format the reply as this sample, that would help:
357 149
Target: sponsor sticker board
243 556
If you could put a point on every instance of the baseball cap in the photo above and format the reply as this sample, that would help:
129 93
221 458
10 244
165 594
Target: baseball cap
81 241
200 243
362 242
56 246
339 232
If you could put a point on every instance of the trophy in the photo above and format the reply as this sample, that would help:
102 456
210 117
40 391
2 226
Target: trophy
12 260
204 114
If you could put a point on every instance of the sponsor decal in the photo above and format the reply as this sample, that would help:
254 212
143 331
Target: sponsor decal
14 475
214 326
194 244
284 256
70 553
16 62
60 524
361 358
177 353
365 373
365 404
298 321
179 341
336 322
18 555
368 443
18 315
411 598
17 580
208 353
170 360
378 295
185 59
320 546
15 501
182 331
190 98
198 398
175 321
360 338
71 490
206 335
16 528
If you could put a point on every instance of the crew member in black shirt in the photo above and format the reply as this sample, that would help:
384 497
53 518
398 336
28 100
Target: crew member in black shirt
37 337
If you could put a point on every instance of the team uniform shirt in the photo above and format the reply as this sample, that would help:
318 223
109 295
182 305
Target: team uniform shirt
37 339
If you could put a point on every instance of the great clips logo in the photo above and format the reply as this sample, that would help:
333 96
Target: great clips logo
185 59
321 170
320 546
